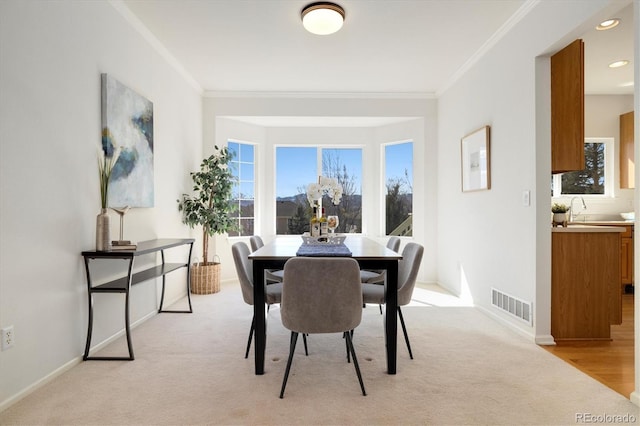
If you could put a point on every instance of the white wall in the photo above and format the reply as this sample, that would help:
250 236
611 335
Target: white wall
226 118
51 57
491 236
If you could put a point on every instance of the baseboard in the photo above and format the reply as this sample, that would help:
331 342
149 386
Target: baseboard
37 385
66 367
635 397
545 340
524 333
121 333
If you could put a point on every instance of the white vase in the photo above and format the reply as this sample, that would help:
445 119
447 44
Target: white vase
103 231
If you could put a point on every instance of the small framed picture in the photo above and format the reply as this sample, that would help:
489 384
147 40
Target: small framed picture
476 160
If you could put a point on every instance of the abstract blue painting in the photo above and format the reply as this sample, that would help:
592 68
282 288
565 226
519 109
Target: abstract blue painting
127 122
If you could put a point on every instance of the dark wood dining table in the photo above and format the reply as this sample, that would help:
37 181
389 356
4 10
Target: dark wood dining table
369 254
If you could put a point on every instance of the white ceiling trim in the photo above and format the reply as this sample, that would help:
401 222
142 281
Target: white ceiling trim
317 95
137 25
493 40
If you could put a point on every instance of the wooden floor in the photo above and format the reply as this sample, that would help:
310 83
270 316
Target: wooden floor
610 362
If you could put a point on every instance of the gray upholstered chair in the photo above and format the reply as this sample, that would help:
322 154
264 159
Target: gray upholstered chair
377 276
321 295
244 268
407 274
272 275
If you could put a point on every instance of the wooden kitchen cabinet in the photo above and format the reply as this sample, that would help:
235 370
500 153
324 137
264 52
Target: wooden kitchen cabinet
627 160
626 251
567 109
585 277
626 256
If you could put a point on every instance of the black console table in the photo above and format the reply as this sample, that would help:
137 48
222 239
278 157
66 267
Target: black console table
123 284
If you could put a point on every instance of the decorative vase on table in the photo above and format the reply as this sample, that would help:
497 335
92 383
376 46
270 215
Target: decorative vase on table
105 167
103 231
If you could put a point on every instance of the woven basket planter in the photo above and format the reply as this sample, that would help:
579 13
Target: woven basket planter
205 279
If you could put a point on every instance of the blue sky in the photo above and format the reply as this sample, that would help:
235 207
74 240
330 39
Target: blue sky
298 166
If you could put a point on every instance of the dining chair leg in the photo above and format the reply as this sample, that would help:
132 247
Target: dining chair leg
292 348
380 306
253 325
404 330
304 340
355 361
346 345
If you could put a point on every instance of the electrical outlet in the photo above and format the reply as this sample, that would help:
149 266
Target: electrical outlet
8 338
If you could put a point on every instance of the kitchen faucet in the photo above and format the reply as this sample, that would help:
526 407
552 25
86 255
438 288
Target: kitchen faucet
571 214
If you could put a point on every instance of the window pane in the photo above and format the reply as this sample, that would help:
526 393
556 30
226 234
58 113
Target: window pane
246 171
246 153
399 189
296 167
246 190
242 166
591 179
345 165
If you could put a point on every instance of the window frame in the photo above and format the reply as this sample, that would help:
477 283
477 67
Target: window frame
383 180
319 171
609 172
238 215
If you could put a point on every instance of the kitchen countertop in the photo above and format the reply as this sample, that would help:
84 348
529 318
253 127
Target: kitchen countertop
603 222
574 227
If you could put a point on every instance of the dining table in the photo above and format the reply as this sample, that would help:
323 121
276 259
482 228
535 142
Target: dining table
368 253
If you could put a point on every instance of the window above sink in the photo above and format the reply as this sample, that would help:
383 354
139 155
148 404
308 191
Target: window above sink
596 179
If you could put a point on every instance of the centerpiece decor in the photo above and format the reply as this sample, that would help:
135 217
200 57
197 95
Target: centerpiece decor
211 207
107 158
315 191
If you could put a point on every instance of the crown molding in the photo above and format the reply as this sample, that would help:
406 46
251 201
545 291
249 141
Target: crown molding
133 20
492 41
318 95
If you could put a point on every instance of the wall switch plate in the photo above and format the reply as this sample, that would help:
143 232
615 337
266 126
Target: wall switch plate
526 198
8 339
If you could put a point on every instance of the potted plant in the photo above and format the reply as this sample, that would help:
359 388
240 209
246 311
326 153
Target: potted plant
559 214
211 208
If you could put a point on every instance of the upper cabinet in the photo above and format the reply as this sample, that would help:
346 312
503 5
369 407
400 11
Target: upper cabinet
567 109
627 164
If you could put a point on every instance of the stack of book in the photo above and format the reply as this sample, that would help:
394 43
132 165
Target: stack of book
123 245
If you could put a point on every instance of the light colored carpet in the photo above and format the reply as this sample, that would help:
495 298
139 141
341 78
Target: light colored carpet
190 369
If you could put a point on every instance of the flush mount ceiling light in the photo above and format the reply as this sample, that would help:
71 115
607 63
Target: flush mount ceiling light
618 64
322 18
608 24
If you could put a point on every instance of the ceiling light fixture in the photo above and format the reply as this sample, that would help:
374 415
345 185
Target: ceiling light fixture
618 64
322 18
608 24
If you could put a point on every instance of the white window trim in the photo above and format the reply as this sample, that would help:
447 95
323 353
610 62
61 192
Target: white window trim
383 180
255 186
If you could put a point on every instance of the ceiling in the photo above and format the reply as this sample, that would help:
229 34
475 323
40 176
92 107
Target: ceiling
386 47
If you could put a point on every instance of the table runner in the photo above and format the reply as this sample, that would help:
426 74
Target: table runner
323 250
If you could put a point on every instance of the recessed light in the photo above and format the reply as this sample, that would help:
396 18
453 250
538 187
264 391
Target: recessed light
618 64
608 24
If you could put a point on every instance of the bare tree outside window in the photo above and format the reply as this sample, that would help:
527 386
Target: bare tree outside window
399 186
349 211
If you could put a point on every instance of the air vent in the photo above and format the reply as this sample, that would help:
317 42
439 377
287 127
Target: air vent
512 305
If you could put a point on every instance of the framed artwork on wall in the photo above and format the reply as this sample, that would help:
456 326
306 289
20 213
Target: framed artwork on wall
476 160
127 122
